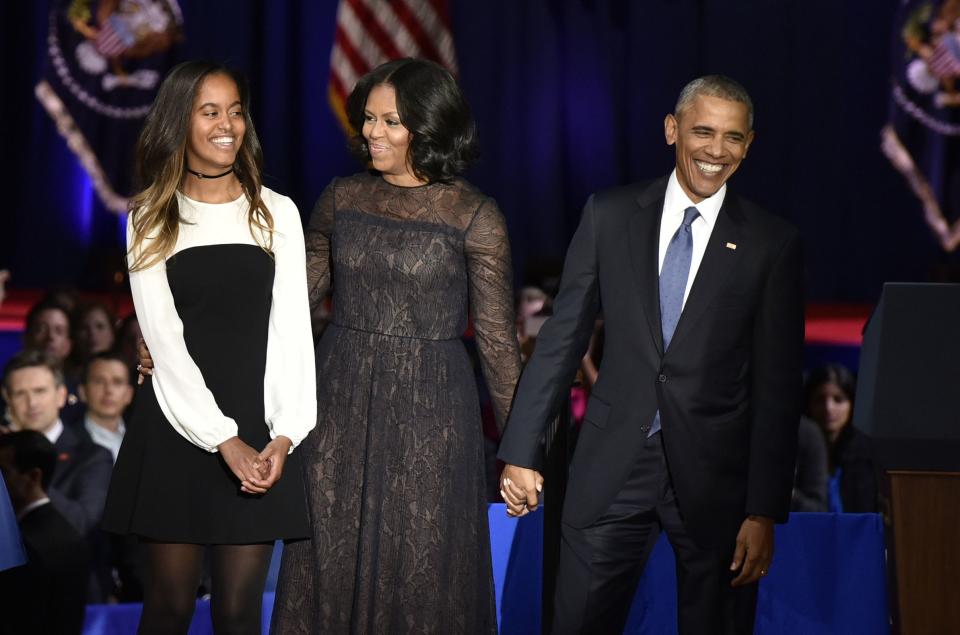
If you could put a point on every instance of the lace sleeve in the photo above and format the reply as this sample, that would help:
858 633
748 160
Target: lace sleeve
317 239
491 305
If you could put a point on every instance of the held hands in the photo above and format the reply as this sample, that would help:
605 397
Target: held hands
519 487
754 550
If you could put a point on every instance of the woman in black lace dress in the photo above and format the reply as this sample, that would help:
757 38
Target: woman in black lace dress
394 470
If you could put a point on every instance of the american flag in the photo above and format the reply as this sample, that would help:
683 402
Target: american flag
114 37
371 32
944 62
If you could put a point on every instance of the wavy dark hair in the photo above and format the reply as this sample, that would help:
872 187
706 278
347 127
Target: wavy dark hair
161 162
434 110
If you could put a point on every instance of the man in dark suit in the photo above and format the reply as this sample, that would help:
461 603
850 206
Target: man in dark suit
47 595
691 427
34 390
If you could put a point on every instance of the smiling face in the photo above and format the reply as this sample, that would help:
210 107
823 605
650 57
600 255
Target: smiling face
712 136
388 141
216 126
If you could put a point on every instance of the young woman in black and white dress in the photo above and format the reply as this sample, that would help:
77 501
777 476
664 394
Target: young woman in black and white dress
218 276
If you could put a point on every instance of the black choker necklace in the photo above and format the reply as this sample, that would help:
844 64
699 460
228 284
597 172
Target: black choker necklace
208 176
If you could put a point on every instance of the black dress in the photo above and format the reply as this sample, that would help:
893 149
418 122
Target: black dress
168 484
395 469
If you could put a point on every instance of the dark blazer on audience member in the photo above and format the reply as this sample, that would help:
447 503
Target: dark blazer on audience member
810 484
81 479
853 454
728 388
48 594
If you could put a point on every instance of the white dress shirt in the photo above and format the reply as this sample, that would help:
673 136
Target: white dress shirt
290 389
54 432
104 436
675 201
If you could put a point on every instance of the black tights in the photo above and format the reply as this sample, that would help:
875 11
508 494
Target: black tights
238 575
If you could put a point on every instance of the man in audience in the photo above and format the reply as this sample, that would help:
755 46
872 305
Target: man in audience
4 276
48 330
47 594
107 390
34 391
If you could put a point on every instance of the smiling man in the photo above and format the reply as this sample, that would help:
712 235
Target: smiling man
691 426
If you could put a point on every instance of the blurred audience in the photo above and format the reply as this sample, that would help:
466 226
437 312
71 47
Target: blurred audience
829 399
34 390
48 329
93 325
810 481
46 595
4 277
128 337
106 389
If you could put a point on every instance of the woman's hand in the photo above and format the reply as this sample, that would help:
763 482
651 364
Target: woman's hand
273 457
246 465
145 367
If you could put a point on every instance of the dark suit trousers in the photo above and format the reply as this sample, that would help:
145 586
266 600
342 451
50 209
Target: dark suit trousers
600 565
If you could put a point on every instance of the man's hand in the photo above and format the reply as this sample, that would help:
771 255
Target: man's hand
519 487
272 459
245 464
754 551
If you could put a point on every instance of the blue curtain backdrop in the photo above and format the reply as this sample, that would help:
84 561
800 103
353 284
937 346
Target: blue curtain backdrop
569 96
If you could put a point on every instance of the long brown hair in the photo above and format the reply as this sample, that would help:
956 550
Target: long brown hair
161 162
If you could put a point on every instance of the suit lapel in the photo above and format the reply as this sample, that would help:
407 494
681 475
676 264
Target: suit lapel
644 253
717 264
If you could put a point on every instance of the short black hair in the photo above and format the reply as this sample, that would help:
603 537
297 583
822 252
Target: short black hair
31 450
46 304
106 356
29 358
434 110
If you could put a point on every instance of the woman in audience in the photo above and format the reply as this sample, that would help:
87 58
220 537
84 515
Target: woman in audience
218 276
93 333
830 393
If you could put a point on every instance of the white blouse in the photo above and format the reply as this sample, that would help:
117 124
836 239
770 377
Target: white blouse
289 383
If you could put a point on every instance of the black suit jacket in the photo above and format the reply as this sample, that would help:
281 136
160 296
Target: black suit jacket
80 481
728 388
48 594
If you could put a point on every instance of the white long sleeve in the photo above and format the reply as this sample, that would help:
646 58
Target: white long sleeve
181 391
289 384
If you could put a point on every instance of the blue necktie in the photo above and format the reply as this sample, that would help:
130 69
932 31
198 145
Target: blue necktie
673 284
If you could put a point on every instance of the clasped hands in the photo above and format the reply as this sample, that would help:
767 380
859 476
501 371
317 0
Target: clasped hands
519 487
256 471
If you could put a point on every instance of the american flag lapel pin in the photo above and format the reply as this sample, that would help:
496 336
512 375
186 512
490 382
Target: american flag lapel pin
731 246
